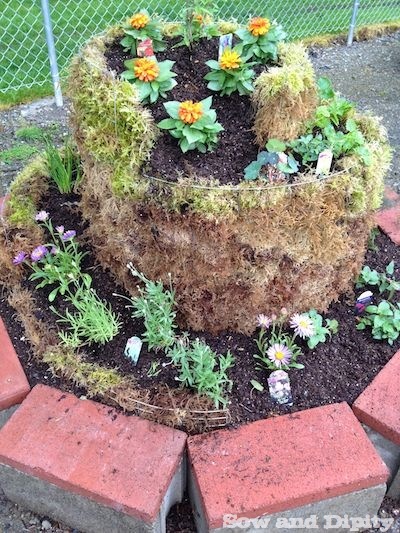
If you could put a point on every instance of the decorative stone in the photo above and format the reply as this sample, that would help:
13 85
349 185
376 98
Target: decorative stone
133 348
279 387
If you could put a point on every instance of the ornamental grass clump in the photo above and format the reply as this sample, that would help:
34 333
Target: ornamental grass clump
260 39
194 124
140 27
152 78
230 74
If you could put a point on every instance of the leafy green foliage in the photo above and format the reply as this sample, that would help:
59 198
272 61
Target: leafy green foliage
156 306
152 30
29 133
271 159
277 336
325 88
200 368
92 320
20 152
384 281
322 331
197 24
201 135
383 319
151 91
228 81
264 47
64 166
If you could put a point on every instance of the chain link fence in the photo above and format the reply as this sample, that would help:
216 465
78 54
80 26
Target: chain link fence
24 60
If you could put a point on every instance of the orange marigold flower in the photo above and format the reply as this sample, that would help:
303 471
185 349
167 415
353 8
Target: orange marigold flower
198 17
190 111
146 69
230 59
139 21
258 26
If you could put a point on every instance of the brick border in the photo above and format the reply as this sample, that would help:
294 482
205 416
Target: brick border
16 388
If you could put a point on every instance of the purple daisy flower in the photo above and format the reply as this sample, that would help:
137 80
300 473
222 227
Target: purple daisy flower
60 229
69 234
279 354
42 216
264 321
54 250
38 253
19 258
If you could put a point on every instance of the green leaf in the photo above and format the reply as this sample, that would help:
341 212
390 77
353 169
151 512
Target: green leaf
167 124
325 88
256 385
390 268
193 135
275 145
213 64
172 109
252 171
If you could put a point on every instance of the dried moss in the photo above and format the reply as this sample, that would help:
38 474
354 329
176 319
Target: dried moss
285 96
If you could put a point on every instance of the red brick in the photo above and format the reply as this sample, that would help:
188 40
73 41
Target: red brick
390 196
13 383
379 405
124 462
389 222
282 463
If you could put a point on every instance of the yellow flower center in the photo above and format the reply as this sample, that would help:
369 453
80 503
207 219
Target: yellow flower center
230 59
258 26
279 355
139 21
190 111
146 69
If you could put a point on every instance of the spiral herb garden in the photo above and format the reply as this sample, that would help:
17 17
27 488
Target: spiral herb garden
196 216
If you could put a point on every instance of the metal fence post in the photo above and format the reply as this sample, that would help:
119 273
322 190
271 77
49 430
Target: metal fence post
353 22
52 52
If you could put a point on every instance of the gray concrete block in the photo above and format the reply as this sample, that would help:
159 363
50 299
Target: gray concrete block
394 489
388 450
334 513
81 512
5 414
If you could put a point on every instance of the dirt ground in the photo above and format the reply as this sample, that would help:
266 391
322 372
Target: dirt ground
367 73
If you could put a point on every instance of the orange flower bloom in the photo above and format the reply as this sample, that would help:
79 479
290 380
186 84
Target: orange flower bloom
190 111
230 59
146 69
198 17
258 26
139 21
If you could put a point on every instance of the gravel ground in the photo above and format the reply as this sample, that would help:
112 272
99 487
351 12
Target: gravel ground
367 73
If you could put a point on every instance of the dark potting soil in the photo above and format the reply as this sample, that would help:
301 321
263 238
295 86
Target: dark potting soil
336 371
236 147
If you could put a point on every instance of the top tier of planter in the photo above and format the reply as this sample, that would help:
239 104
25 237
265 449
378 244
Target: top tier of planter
234 248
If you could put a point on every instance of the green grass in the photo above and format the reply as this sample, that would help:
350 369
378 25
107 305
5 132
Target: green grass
23 48
29 133
20 152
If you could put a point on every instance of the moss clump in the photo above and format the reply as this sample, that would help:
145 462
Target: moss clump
285 96
113 126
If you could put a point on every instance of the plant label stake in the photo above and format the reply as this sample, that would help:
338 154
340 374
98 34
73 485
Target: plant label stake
132 349
145 48
324 162
225 41
363 301
279 387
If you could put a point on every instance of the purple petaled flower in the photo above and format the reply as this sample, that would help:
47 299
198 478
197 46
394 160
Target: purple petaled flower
302 325
19 258
60 229
54 250
42 216
279 354
38 253
69 234
264 321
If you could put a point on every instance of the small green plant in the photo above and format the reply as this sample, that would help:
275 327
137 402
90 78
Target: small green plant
201 369
139 28
64 166
91 321
321 331
156 306
371 240
383 319
29 133
57 262
153 79
230 74
197 23
194 124
260 39
154 369
384 281
270 161
20 152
